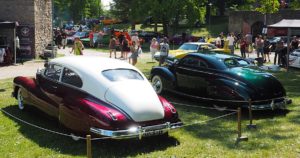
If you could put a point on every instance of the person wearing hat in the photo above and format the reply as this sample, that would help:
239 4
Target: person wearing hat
153 47
77 47
164 51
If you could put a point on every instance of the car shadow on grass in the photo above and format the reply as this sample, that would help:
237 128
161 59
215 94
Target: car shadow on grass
224 130
66 145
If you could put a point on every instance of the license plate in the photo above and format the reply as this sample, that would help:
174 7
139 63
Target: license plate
153 133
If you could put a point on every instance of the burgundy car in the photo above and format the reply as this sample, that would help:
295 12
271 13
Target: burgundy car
100 96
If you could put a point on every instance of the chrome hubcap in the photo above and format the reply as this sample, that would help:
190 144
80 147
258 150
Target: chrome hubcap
156 83
20 100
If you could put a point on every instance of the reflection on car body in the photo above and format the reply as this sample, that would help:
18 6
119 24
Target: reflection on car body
220 79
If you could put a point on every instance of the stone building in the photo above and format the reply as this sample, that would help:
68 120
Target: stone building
35 23
252 21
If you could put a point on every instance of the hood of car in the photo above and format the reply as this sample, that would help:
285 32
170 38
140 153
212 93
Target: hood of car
137 99
180 53
221 50
264 83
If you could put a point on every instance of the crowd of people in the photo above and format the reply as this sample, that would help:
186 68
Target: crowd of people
259 45
130 46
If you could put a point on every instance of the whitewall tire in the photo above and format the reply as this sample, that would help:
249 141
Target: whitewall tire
20 99
157 84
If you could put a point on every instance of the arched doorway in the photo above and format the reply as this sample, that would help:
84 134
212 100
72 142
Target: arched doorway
256 28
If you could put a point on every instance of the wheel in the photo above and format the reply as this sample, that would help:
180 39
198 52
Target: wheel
157 84
20 99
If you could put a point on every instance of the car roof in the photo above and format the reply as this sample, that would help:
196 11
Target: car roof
91 63
197 43
211 55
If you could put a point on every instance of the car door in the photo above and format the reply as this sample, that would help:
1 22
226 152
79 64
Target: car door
192 76
71 113
49 82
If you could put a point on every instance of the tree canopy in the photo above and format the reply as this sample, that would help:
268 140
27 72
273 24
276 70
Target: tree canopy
77 9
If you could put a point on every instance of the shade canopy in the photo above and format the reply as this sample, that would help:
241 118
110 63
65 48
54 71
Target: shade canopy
287 23
8 25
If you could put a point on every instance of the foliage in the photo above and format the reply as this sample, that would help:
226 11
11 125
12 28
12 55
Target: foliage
77 9
268 6
295 4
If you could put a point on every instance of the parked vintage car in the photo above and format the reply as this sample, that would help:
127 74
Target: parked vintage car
192 47
220 79
102 96
294 59
81 35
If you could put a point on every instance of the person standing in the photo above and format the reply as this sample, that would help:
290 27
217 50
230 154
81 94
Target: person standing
134 52
125 47
153 47
294 43
77 47
243 46
219 42
121 37
112 46
91 37
58 40
278 49
164 51
259 46
136 39
64 39
267 49
230 39
249 43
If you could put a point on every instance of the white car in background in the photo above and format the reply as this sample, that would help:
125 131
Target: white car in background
294 59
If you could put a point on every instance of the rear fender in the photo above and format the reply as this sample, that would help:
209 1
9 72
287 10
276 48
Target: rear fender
163 72
238 88
25 82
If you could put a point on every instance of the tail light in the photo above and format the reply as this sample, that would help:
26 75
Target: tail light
104 113
170 111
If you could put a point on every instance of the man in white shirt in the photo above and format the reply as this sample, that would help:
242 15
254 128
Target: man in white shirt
230 39
164 51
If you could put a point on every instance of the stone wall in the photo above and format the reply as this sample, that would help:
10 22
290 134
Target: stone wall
43 24
17 10
242 21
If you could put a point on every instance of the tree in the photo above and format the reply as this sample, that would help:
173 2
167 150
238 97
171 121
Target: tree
77 9
268 6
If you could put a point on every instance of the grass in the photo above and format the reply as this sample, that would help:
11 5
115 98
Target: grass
277 134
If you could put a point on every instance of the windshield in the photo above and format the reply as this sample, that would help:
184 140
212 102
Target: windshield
235 62
80 34
122 74
189 47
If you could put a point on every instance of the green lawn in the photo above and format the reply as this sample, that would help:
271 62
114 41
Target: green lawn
277 134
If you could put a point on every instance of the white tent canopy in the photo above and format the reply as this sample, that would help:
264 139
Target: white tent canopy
287 23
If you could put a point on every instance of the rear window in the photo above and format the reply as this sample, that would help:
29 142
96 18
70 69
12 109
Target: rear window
122 74
189 47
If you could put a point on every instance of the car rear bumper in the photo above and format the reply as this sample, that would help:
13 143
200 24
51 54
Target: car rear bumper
137 132
271 105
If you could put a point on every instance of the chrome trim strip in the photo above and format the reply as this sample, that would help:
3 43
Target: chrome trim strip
138 132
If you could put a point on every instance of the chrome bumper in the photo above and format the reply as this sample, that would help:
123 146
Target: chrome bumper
272 106
137 132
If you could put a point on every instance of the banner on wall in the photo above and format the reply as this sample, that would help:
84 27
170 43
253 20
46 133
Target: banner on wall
26 37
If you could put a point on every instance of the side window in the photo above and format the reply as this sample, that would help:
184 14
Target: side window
71 78
53 72
194 62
